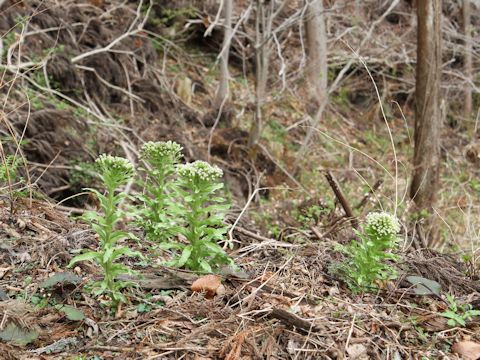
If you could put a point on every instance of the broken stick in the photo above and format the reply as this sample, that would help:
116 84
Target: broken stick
341 198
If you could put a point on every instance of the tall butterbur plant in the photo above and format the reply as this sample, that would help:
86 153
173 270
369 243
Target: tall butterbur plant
114 172
367 258
202 211
9 169
9 179
161 159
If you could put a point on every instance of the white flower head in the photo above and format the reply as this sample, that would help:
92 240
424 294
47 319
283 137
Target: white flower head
110 163
383 224
162 151
114 170
200 170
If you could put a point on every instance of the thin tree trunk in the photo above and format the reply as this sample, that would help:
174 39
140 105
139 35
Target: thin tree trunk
263 27
467 30
426 159
358 9
317 67
223 94
316 38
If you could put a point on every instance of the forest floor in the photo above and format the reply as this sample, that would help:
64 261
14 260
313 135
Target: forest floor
285 303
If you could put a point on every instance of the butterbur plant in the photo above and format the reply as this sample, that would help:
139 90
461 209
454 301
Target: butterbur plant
9 179
202 212
9 169
367 258
114 172
154 217
458 315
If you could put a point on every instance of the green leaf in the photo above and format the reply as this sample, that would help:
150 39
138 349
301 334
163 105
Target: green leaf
91 215
118 296
171 245
18 335
125 251
454 318
205 266
91 255
61 279
424 286
99 230
214 248
70 312
473 312
118 269
107 256
451 323
117 235
143 308
185 255
217 208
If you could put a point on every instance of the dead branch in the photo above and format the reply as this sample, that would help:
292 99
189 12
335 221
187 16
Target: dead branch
294 321
341 198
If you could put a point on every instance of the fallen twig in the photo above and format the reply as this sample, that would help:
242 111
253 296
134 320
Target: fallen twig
294 320
341 198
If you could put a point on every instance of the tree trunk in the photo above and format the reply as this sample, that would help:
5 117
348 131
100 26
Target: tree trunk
316 39
426 159
223 94
317 68
467 30
263 28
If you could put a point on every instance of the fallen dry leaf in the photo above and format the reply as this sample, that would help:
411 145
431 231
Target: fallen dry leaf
210 284
357 351
468 350
4 270
432 322
267 276
97 3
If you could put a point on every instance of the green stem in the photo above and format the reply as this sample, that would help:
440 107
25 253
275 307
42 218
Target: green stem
196 210
109 211
158 192
108 278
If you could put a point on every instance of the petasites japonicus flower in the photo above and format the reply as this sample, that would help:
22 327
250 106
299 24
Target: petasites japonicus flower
199 171
114 170
382 224
162 152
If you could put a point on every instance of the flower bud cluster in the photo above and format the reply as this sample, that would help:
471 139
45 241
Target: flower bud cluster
115 165
161 151
199 170
383 224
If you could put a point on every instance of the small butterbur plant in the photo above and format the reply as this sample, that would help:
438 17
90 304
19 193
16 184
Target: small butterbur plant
154 216
458 315
9 169
310 215
10 181
367 257
114 172
202 211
